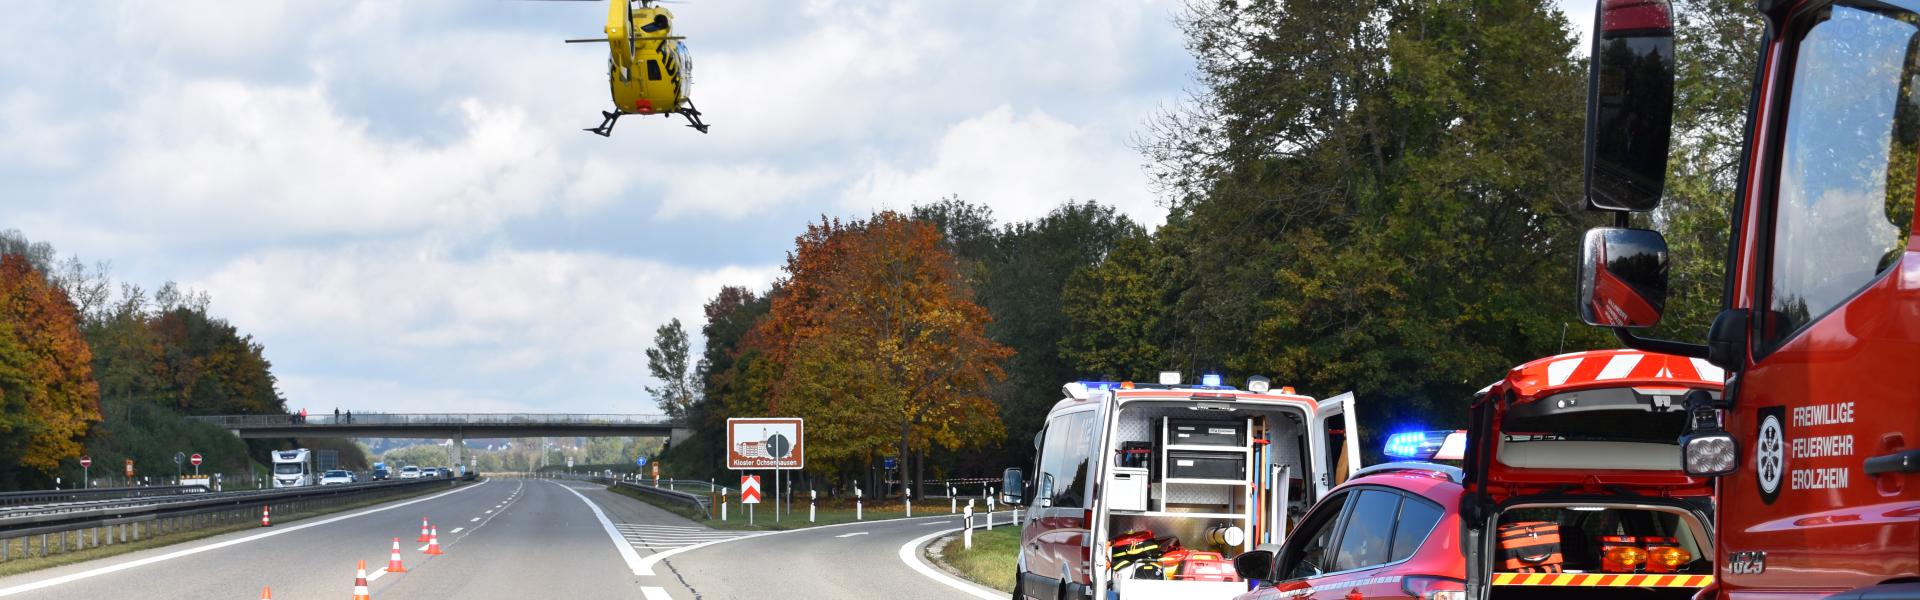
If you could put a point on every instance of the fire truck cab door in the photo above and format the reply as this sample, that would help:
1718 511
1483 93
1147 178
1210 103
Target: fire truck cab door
1825 495
1335 444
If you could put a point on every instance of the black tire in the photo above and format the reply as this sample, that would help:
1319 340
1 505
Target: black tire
1018 592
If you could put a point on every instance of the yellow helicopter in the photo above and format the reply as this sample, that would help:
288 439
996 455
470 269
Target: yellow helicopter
650 71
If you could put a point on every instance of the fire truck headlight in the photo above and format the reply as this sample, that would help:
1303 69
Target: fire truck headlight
1709 453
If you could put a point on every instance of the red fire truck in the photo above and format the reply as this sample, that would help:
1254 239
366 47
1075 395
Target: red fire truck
1813 443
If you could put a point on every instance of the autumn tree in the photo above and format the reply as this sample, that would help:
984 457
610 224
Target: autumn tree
874 331
48 398
667 361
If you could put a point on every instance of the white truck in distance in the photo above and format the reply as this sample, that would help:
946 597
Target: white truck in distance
292 468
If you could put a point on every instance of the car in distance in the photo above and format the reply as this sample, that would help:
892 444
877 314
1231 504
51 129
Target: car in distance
336 477
409 472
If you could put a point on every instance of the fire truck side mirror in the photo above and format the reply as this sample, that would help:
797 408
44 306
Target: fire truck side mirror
1629 104
1012 487
1623 277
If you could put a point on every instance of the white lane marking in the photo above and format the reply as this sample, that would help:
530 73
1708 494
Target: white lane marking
848 535
475 518
910 554
652 559
376 575
456 530
115 568
619 543
489 512
422 549
654 593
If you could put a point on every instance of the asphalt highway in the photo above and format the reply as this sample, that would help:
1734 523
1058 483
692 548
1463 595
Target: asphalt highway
514 538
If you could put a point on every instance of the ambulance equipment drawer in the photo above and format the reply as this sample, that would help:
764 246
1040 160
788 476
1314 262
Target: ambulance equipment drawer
1186 464
1206 433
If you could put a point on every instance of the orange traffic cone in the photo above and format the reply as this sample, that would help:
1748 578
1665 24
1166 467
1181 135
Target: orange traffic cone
360 584
266 516
423 530
393 564
266 593
433 543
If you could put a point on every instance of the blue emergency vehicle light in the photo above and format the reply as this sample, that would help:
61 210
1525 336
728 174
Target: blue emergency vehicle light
1414 444
1210 380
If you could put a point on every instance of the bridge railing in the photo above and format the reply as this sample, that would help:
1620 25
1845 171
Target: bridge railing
243 421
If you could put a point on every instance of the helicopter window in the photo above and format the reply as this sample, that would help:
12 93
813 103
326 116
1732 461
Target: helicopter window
653 69
659 23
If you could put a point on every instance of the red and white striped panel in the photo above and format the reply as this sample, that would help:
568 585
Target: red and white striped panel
1634 366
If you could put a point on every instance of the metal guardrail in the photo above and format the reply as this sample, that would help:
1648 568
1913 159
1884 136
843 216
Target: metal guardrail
37 497
130 519
239 421
695 501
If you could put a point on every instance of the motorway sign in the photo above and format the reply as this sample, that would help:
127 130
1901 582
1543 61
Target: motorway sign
195 459
86 462
640 462
777 443
889 463
749 489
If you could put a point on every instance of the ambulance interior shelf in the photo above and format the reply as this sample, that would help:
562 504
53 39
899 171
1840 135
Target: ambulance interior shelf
1197 479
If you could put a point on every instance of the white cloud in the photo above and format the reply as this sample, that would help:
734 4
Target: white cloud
446 320
1020 165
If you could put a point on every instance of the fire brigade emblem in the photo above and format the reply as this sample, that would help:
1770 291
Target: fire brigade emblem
1770 453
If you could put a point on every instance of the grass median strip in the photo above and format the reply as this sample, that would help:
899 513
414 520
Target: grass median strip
826 513
990 562
18 562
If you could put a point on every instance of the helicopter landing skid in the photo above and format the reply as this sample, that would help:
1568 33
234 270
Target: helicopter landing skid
606 125
693 117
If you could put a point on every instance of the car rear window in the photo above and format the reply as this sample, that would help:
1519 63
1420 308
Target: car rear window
1416 521
1606 414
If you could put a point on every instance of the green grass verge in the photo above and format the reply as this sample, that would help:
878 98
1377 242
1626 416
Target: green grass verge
15 565
825 513
990 562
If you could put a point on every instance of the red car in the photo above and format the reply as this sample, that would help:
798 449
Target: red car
1572 488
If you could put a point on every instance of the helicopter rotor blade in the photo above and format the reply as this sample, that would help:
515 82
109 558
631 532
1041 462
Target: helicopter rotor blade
588 41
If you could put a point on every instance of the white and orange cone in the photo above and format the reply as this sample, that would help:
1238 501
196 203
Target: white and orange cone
393 564
423 530
266 593
433 543
266 516
360 583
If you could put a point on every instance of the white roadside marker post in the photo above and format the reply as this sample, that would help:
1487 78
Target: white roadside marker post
856 503
966 523
811 497
953 501
909 496
723 504
989 509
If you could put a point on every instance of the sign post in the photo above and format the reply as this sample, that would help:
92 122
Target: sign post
129 471
86 471
776 444
179 460
749 494
195 459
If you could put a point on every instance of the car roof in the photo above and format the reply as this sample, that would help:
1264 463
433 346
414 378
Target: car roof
1439 483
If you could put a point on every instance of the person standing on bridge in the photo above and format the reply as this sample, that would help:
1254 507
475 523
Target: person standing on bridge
349 417
336 415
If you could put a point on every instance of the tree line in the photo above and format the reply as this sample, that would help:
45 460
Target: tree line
1382 197
92 366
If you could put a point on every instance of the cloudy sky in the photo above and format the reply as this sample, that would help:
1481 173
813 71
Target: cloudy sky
396 199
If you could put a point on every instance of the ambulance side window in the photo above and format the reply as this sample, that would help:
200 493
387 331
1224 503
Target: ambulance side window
1052 457
1843 205
1076 458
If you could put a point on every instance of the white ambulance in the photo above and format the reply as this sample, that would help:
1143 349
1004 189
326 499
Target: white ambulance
1149 490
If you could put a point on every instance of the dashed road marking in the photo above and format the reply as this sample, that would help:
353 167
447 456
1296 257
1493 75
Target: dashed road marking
475 519
848 535
456 530
654 593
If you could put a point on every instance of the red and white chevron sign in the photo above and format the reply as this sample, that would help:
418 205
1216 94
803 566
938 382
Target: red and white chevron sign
749 489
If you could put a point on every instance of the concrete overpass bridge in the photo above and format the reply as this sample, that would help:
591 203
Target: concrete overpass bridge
456 426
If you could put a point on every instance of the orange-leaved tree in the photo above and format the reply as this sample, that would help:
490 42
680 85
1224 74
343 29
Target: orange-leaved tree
880 344
48 398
